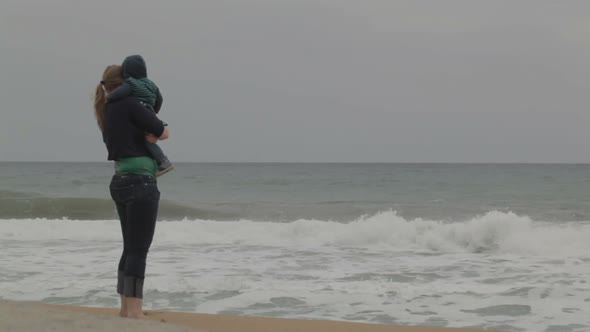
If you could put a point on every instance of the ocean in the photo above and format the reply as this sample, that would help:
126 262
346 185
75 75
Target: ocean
496 246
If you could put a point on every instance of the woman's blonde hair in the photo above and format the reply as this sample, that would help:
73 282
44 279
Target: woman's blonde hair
111 79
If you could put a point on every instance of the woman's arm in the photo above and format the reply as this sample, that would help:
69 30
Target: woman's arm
153 139
145 120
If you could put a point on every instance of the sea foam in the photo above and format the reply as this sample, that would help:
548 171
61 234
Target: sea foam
493 232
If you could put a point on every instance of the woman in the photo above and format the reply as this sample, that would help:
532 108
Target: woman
124 124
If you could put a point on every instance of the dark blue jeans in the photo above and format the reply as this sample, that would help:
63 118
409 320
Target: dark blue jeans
137 198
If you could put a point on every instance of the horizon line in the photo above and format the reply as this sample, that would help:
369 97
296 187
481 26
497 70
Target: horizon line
331 162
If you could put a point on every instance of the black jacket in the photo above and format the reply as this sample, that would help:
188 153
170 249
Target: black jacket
125 124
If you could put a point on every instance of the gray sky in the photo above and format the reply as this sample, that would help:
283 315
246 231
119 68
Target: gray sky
307 80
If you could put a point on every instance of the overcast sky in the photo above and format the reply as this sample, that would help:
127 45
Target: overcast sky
307 80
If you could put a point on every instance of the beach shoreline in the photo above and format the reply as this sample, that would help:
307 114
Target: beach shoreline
35 316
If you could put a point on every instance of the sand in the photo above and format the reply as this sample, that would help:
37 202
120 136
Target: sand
36 317
33 317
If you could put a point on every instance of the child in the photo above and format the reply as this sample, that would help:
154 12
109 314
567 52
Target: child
139 86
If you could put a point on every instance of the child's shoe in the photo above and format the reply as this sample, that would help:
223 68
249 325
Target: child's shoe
164 168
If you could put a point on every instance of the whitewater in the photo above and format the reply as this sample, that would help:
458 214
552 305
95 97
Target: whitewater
497 270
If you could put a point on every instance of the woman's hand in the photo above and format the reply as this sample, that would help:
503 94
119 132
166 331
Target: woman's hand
151 138
165 134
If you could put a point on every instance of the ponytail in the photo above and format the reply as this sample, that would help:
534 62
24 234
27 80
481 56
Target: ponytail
100 99
111 79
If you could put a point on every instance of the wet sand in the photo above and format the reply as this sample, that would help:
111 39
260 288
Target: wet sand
31 316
